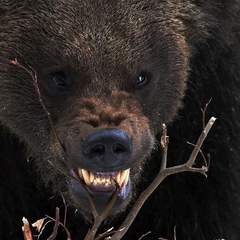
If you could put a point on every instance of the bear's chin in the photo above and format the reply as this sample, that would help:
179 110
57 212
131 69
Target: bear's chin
101 188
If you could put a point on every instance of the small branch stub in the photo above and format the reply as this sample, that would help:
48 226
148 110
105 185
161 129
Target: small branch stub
164 145
163 173
164 138
26 230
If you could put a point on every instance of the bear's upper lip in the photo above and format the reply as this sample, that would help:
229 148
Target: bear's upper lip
104 181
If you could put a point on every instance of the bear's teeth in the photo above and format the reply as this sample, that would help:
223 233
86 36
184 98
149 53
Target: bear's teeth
91 177
102 179
85 175
125 179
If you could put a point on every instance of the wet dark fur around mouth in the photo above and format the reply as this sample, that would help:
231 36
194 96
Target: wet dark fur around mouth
117 70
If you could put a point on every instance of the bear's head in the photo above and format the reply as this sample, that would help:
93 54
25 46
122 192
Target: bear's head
109 76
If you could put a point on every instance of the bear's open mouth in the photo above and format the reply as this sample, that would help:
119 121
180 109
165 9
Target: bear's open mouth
104 181
101 186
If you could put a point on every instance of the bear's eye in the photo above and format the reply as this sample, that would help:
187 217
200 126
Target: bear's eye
142 79
58 79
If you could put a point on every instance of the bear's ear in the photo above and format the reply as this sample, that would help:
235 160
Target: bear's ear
142 79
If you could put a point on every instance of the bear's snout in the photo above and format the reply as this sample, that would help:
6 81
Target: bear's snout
106 144
107 147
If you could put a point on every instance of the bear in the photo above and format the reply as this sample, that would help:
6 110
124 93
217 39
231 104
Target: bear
85 87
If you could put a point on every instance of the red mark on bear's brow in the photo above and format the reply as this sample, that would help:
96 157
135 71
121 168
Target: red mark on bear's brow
14 62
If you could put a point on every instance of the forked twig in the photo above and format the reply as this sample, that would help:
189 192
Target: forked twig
163 173
200 141
56 224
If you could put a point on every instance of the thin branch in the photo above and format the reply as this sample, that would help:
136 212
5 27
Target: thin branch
26 230
144 235
207 163
56 224
33 74
100 218
44 226
107 233
65 210
164 145
66 230
204 113
175 233
163 173
200 141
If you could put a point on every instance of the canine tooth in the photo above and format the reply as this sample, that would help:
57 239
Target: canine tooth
85 175
124 175
91 177
118 178
80 173
126 179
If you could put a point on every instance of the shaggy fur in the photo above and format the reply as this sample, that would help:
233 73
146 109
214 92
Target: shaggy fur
88 56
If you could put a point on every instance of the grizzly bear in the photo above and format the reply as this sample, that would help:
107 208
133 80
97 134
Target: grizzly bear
109 74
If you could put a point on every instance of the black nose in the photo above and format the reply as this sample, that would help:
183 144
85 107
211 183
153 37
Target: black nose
107 147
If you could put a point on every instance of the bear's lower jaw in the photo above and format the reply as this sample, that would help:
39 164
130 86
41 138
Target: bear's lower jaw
101 187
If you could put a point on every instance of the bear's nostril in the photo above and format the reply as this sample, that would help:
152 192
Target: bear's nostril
99 149
119 148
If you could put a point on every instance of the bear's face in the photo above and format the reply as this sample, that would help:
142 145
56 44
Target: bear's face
109 76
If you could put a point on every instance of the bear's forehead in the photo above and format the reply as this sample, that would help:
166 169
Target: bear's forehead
91 25
106 32
94 37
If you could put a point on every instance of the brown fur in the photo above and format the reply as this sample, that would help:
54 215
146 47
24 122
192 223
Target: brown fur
190 52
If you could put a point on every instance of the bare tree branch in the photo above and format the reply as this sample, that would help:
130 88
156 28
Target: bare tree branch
163 173
200 141
26 230
164 144
204 113
55 228
144 235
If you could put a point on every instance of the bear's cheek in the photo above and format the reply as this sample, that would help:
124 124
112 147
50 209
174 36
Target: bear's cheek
105 157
